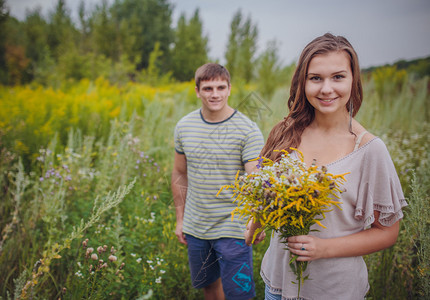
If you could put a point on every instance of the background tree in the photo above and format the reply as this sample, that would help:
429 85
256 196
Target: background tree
84 27
104 33
247 49
145 22
241 47
14 56
36 44
62 33
268 70
4 15
63 40
233 44
190 50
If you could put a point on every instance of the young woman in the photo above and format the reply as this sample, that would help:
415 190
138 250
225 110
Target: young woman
325 95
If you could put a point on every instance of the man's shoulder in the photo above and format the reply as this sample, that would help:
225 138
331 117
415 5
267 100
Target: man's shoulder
244 120
191 117
241 116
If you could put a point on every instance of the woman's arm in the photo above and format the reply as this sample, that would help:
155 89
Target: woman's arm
374 239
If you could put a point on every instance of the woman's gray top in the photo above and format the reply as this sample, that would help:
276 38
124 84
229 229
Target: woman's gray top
372 184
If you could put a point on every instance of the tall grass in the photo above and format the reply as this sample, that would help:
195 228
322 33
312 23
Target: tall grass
85 170
394 101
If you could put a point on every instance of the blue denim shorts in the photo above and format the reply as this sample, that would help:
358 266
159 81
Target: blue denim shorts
228 258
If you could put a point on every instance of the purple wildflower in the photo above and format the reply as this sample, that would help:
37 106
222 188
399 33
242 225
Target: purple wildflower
267 182
260 162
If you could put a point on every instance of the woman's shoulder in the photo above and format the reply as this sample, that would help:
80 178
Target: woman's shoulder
374 151
363 136
367 137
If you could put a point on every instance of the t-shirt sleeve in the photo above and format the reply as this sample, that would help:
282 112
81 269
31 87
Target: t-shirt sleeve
253 144
178 141
379 188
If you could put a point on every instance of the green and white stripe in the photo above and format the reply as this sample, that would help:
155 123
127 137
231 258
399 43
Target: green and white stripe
214 152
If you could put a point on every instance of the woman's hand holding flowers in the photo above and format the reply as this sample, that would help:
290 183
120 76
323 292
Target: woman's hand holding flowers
306 247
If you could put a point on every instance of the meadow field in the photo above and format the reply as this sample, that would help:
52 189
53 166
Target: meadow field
86 207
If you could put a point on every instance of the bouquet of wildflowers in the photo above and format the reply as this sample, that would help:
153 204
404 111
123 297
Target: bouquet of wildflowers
286 196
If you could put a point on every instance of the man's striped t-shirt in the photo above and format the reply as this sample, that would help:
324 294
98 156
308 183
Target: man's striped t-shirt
214 153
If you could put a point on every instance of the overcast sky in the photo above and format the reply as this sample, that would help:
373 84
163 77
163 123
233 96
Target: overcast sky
381 31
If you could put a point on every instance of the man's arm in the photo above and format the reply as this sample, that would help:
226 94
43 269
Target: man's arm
179 191
251 166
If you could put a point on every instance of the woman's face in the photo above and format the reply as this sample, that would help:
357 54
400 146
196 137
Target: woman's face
329 83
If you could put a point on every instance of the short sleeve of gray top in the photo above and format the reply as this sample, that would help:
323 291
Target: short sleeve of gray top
372 184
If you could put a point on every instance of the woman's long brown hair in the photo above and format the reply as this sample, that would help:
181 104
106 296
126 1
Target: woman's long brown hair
287 133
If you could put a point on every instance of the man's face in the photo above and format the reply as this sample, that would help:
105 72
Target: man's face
214 95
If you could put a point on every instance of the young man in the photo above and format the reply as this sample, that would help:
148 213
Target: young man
212 144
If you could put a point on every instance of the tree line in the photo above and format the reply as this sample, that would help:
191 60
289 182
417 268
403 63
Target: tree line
125 40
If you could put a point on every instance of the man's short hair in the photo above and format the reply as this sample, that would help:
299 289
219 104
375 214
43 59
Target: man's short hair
211 71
